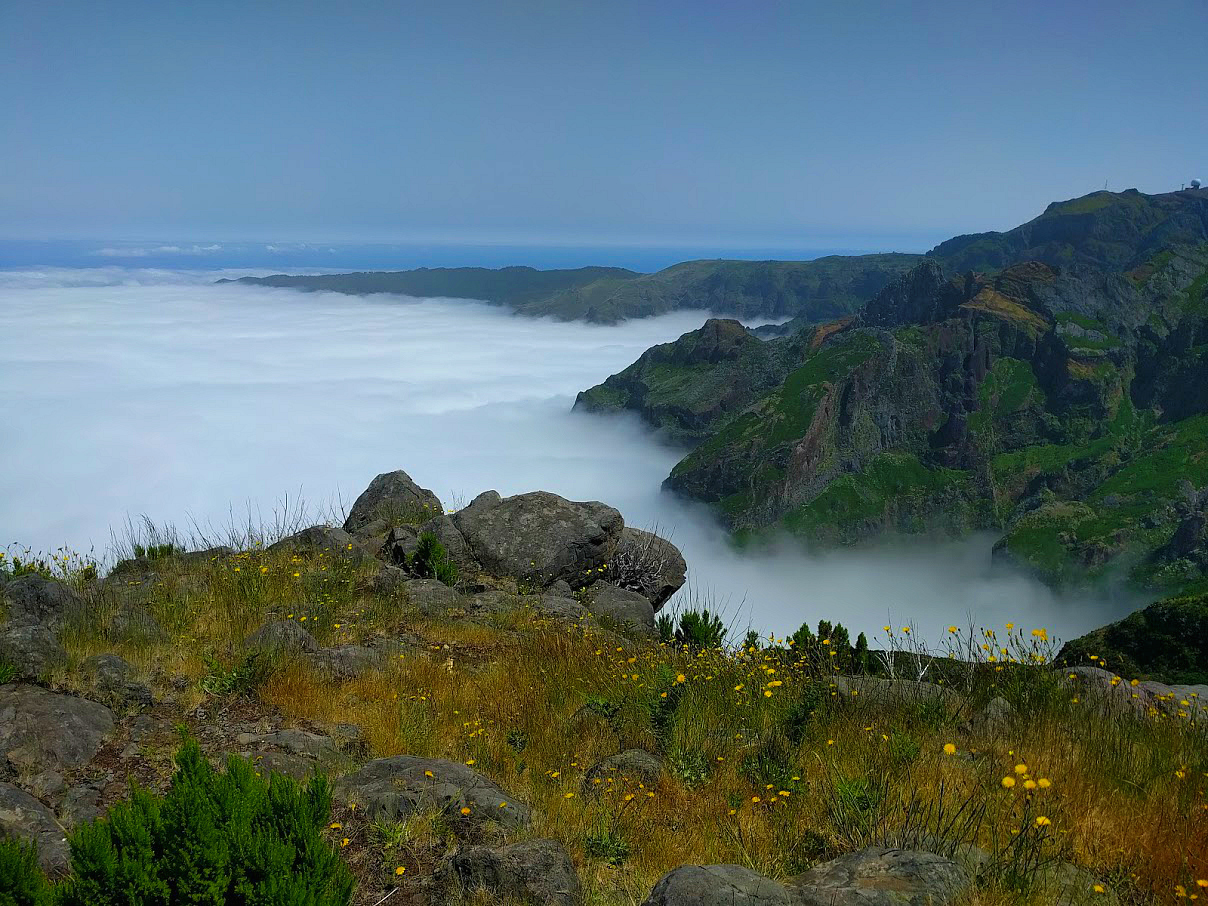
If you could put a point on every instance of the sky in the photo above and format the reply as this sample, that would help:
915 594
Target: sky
232 398
839 125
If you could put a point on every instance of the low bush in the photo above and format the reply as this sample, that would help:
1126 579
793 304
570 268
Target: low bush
21 880
215 838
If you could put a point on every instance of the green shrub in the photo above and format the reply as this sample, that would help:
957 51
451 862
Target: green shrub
8 673
241 681
21 880
665 627
215 838
606 841
700 629
431 561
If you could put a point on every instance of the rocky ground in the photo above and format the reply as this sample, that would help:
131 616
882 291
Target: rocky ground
482 752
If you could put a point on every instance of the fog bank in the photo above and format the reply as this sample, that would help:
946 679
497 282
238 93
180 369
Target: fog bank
158 393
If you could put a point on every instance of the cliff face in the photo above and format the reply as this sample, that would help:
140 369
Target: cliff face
1063 406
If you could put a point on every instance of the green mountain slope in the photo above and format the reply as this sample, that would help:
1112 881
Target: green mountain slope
1064 407
1108 230
820 290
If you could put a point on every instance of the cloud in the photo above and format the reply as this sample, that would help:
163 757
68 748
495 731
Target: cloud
158 392
148 251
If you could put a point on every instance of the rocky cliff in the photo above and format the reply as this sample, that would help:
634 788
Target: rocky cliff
1057 397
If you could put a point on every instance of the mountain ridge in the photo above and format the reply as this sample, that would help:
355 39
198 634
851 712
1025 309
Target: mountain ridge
1059 404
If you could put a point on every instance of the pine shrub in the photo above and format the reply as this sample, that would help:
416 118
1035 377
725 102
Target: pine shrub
21 880
431 560
216 838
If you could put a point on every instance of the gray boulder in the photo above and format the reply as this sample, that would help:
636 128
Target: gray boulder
296 742
389 581
112 679
32 649
401 542
882 877
454 543
42 730
1118 694
649 565
23 817
872 690
35 600
324 539
298 767
347 661
717 885
389 789
432 597
628 768
619 605
280 637
394 499
81 804
535 871
540 538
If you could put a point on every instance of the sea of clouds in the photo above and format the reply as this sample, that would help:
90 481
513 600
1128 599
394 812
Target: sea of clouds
148 392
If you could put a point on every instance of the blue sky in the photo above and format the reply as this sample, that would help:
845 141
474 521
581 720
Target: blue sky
843 125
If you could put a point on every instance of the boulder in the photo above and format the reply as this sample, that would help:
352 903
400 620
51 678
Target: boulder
454 543
33 599
298 767
619 605
81 804
431 597
882 877
628 768
650 565
535 871
557 607
388 581
335 542
394 499
540 538
25 818
717 885
993 719
296 742
389 789
280 637
874 690
42 730
112 679
401 542
1116 693
347 661
32 649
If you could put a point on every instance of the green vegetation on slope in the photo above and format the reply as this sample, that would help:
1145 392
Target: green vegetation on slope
820 289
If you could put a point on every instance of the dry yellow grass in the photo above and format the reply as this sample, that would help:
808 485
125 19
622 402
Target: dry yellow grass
768 766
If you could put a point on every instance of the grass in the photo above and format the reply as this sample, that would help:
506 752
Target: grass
769 766
892 488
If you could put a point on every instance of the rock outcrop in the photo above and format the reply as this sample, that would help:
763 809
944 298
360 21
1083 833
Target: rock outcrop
540 538
533 871
717 885
42 730
882 877
392 498
390 789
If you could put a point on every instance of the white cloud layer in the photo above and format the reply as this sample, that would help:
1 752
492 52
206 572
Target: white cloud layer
153 392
